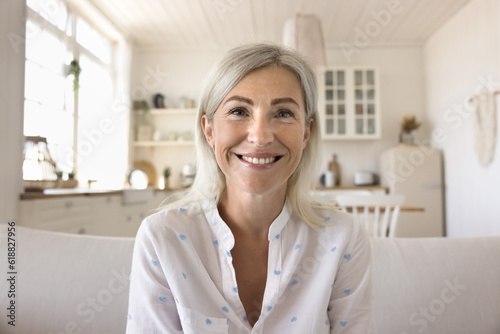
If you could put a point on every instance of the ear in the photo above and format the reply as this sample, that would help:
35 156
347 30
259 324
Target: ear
307 132
208 130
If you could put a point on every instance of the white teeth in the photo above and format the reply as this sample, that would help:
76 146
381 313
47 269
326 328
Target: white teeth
257 161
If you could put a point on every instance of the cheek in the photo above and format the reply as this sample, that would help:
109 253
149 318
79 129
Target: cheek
225 138
293 138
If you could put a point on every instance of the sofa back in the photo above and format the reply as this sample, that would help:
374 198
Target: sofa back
437 285
68 283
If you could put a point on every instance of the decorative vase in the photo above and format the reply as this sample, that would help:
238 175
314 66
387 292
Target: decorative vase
407 137
334 167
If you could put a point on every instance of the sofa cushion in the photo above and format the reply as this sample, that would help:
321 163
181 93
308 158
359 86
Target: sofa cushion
67 283
437 285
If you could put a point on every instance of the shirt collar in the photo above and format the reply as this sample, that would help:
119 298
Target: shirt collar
222 230
280 221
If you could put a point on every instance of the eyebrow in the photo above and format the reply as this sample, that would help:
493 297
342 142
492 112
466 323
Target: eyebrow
250 102
239 98
284 100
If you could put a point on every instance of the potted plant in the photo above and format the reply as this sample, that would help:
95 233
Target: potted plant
75 70
409 124
71 182
166 175
143 122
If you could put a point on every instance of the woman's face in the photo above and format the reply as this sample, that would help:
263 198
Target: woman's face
259 131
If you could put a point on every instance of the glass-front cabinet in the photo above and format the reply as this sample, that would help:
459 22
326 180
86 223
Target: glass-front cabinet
349 103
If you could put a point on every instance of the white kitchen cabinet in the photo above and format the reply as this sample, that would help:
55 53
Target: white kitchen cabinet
68 214
349 103
105 215
131 215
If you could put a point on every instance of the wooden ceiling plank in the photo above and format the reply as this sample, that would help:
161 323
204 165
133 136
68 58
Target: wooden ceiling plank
203 23
399 22
359 20
212 16
167 30
180 25
120 17
446 14
146 29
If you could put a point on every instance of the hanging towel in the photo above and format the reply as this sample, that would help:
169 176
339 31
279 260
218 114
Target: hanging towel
485 127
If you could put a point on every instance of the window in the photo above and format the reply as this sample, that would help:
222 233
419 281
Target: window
78 135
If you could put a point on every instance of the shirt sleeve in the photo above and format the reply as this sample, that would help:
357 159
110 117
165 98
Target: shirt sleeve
350 307
152 308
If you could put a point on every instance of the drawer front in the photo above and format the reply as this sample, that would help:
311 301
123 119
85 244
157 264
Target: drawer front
67 211
60 214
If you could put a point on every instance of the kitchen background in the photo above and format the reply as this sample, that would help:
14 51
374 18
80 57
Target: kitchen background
430 59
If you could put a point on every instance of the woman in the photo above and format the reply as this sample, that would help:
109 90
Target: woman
247 250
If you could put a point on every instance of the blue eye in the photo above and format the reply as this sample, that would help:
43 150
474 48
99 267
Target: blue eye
285 114
238 112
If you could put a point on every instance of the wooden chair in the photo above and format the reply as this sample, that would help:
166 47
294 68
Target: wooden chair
378 213
331 195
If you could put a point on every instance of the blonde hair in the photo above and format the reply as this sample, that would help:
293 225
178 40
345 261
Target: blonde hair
209 182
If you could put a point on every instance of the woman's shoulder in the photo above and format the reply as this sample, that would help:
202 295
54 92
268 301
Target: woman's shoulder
338 222
334 216
342 228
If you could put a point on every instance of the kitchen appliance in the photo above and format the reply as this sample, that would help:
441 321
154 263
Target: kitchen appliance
416 172
364 178
188 174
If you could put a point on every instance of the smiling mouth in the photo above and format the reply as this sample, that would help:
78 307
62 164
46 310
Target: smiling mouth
259 161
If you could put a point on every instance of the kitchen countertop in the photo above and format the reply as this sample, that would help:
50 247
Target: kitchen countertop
72 192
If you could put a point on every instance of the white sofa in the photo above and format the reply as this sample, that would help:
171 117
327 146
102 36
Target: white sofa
66 283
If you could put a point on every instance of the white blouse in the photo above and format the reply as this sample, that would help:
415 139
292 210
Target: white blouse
183 280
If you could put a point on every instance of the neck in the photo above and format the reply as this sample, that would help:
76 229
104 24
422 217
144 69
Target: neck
250 214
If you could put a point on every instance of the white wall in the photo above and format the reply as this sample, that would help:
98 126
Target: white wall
11 109
457 57
181 72
401 92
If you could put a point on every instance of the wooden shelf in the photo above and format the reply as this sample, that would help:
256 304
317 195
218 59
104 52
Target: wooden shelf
353 187
174 111
165 143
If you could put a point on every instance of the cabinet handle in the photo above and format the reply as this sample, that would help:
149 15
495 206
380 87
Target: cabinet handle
68 204
82 231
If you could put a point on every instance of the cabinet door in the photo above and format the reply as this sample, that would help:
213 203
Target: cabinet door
335 102
72 214
365 103
349 103
105 214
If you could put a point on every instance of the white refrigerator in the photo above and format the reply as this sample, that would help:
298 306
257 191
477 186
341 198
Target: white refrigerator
417 172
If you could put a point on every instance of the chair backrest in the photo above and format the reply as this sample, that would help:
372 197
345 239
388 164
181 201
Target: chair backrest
379 213
330 195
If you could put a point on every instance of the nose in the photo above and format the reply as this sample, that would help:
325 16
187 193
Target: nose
260 131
